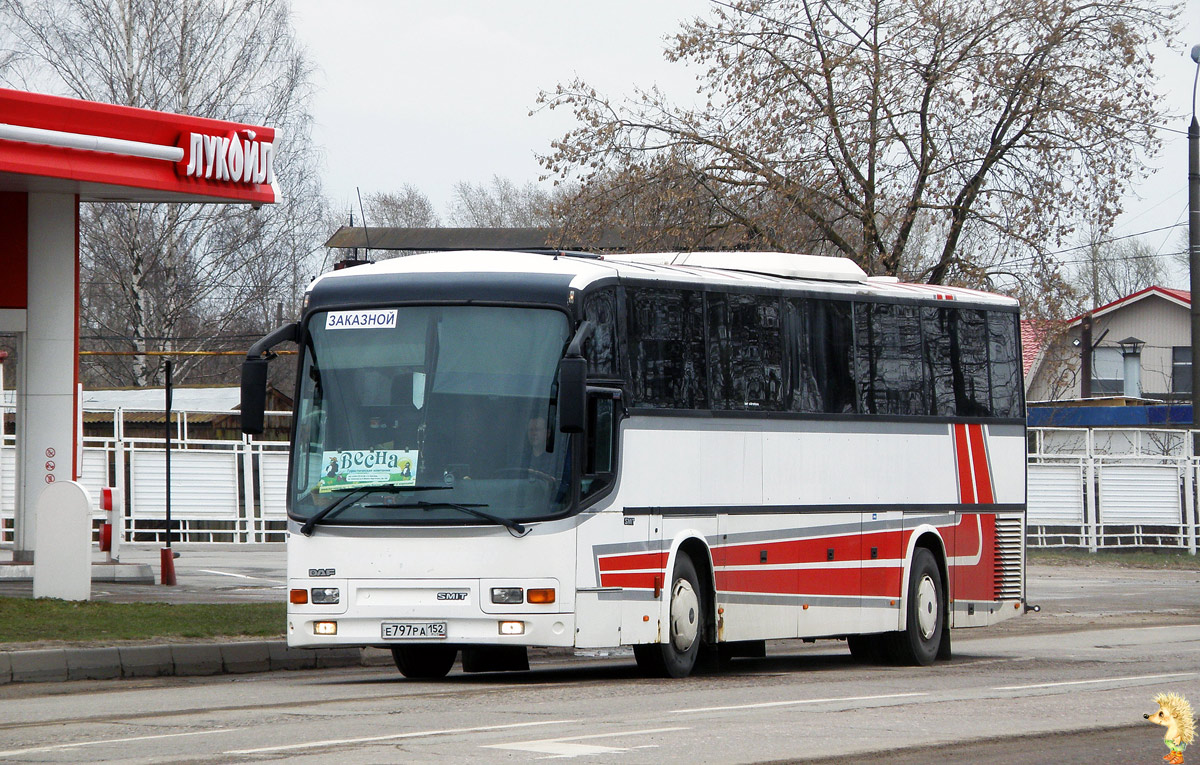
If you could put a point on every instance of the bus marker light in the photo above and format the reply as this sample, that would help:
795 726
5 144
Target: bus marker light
541 596
324 628
657 586
805 606
512 628
508 595
646 618
298 597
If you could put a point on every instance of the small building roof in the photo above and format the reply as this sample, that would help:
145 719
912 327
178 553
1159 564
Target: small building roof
445 239
1035 333
1182 298
183 399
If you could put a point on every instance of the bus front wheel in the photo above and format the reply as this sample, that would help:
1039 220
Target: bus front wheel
424 662
677 655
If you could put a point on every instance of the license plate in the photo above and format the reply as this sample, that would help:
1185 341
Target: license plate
413 630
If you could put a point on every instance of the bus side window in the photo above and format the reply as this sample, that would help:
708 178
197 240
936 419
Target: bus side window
600 349
1005 367
601 447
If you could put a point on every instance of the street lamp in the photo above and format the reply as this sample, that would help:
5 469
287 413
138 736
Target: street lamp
1131 352
1194 239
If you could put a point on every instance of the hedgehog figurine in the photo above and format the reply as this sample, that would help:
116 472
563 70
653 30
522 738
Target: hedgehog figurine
1175 714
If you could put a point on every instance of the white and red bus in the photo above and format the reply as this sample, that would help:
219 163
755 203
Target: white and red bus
678 452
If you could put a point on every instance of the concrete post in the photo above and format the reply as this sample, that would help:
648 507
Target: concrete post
46 405
63 566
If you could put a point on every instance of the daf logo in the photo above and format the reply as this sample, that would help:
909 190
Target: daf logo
314 572
452 596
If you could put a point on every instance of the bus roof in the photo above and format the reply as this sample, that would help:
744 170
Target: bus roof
771 270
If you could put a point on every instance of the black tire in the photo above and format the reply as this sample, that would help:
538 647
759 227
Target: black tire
424 662
685 630
869 649
920 642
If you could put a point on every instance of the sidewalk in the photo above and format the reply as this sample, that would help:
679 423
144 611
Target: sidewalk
210 573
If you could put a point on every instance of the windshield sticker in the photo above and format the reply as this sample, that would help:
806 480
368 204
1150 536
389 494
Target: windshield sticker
380 319
348 469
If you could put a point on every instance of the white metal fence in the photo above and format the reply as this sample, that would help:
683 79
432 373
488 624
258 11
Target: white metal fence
1090 488
1107 488
221 490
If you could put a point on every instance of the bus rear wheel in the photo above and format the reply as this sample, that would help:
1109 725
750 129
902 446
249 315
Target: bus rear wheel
919 643
424 662
685 633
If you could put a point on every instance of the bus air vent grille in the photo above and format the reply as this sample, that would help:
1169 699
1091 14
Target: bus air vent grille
1009 557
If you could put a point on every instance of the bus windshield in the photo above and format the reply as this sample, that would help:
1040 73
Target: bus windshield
430 414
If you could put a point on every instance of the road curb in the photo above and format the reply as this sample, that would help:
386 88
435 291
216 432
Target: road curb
172 659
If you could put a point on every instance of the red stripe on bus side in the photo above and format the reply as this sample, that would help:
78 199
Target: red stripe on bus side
979 459
966 486
786 582
845 548
882 582
636 581
634 561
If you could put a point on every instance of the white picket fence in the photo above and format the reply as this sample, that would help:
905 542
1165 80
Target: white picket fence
221 491
1110 488
1087 488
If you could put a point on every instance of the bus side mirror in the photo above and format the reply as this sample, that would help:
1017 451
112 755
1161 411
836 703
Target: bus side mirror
572 394
254 395
254 377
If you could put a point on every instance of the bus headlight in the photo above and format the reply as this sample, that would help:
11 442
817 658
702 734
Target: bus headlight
512 628
326 596
508 595
324 628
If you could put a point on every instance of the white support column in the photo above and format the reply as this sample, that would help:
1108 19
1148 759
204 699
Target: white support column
1091 510
254 522
1189 491
46 406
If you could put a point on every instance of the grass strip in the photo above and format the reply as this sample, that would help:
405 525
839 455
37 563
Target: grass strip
1154 559
24 620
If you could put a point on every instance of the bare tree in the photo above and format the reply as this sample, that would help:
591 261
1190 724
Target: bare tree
943 141
407 208
177 276
1111 269
501 204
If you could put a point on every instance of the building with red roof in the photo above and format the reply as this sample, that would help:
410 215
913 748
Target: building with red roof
1142 349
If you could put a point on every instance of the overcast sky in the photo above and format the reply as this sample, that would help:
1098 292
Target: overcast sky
432 93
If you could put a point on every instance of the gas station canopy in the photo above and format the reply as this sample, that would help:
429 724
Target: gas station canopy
103 153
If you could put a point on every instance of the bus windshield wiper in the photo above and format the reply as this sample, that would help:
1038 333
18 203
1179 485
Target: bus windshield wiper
518 529
392 487
352 493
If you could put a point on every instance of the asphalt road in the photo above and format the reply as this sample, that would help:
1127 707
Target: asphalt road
1067 685
807 703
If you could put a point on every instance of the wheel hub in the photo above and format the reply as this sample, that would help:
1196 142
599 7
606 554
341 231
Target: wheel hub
927 607
685 607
